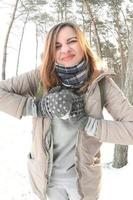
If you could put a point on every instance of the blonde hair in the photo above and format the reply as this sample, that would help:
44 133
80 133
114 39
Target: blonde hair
47 72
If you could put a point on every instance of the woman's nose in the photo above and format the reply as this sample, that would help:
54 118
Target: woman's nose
65 48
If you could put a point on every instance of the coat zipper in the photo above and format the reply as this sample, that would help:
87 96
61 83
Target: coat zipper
77 160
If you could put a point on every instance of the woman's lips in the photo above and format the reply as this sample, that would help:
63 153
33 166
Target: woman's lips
67 58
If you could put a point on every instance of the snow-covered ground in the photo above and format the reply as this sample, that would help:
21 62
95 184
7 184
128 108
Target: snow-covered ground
15 141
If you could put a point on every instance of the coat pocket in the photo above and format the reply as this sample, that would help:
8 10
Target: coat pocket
37 176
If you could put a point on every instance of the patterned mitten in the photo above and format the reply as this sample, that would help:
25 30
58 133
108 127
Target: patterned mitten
56 103
48 105
78 111
80 117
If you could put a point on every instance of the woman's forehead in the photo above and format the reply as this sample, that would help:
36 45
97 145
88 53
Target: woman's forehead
66 32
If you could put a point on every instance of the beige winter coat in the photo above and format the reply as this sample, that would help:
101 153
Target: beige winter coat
13 96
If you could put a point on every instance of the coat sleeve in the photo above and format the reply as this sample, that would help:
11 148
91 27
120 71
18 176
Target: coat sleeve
14 92
119 130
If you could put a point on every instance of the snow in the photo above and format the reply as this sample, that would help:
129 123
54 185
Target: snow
15 142
15 139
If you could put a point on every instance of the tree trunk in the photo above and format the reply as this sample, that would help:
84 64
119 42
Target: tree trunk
20 44
122 54
6 41
128 89
65 10
98 44
121 151
36 46
120 156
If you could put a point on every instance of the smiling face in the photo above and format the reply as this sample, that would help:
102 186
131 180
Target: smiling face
68 49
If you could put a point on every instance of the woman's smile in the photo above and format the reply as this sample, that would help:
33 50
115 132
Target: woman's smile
68 57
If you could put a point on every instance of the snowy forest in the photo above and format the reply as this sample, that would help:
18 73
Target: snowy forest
107 24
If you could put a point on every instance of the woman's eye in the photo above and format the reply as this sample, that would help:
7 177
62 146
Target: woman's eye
58 46
72 41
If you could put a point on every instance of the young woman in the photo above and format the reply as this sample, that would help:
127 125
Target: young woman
64 98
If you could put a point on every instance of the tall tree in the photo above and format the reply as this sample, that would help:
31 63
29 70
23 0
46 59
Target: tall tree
128 89
34 12
121 151
20 43
94 23
63 9
120 28
6 40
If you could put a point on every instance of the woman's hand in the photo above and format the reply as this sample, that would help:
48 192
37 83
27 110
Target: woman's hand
55 103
